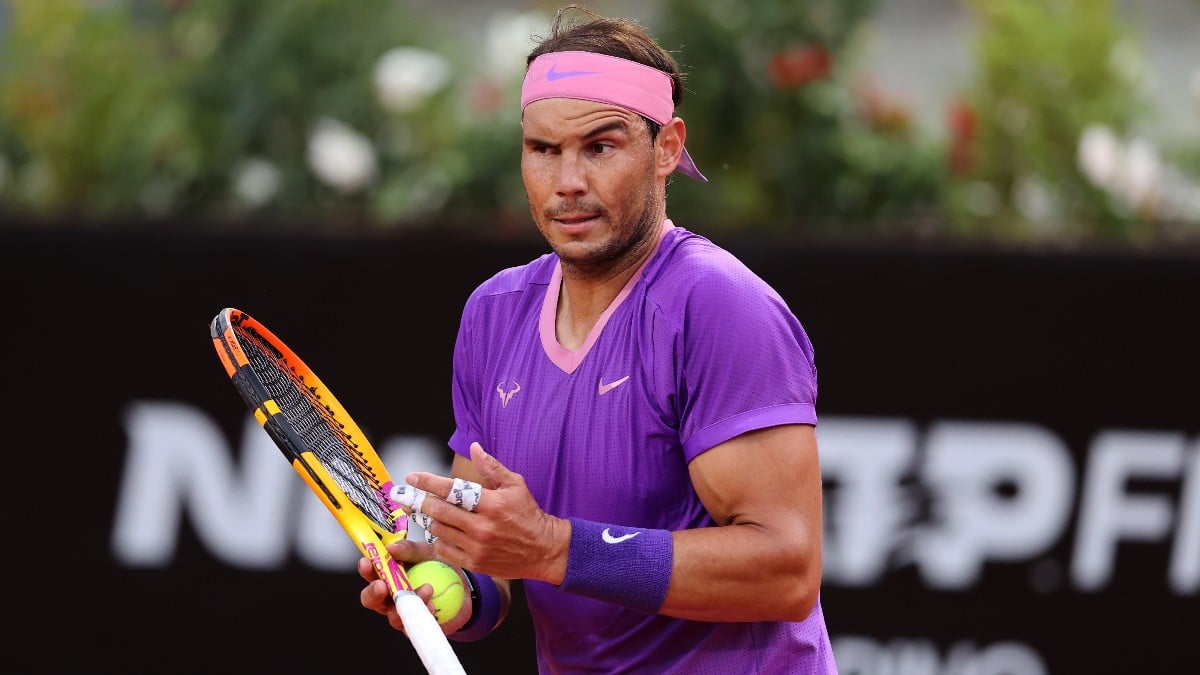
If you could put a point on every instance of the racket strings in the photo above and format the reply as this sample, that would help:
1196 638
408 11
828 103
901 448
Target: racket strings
318 428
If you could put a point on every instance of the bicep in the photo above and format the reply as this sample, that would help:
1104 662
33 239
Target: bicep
763 560
769 478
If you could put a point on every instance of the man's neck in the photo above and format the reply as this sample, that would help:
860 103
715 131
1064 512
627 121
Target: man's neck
584 296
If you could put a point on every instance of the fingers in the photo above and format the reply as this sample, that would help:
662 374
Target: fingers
422 522
415 493
366 570
408 496
458 491
407 553
427 497
420 485
489 467
465 494
376 596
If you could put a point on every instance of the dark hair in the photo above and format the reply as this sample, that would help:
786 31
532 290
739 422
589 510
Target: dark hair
623 38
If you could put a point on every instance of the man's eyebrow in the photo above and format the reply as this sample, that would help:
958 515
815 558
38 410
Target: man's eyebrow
602 129
605 128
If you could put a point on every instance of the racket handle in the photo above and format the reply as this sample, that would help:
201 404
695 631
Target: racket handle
426 635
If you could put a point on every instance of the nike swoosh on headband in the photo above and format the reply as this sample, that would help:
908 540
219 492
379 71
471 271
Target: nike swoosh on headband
621 82
553 75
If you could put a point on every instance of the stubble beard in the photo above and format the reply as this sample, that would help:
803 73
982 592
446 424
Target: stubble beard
616 253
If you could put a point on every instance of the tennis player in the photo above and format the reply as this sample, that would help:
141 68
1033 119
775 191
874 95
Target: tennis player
637 405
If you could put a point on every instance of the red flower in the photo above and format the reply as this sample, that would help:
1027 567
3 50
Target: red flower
798 66
963 124
882 112
487 98
962 120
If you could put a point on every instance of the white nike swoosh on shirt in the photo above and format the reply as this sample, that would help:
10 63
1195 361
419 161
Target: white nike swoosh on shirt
605 388
609 539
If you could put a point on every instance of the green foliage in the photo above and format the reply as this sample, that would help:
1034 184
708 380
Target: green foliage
152 109
255 76
784 132
373 114
1045 71
90 148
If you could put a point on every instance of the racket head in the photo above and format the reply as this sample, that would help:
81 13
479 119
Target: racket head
310 426
332 455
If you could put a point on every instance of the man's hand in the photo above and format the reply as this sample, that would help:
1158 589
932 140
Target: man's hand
376 597
507 535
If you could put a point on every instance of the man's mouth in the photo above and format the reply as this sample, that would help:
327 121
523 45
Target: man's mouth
572 218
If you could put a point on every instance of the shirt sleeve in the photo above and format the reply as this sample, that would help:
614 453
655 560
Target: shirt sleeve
464 392
747 362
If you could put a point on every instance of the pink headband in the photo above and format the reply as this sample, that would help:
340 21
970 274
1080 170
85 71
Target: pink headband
605 79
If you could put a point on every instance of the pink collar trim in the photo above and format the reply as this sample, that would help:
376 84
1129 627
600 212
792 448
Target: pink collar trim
569 359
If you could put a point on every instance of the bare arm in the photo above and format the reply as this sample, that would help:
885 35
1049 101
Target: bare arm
763 561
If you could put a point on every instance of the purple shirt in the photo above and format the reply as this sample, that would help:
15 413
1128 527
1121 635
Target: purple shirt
695 350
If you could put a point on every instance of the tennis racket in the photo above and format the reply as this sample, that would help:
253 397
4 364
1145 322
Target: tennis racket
335 459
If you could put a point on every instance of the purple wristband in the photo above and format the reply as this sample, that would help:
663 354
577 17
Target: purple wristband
624 565
485 608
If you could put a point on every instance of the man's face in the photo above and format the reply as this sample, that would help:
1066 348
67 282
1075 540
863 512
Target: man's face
590 176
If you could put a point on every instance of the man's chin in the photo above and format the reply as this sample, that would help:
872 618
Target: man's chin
582 255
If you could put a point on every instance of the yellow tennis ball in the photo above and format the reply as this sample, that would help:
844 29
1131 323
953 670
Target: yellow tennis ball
448 592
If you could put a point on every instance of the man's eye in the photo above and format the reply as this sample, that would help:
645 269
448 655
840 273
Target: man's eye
601 148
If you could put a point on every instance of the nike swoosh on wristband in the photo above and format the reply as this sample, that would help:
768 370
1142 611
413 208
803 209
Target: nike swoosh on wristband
553 75
610 539
605 388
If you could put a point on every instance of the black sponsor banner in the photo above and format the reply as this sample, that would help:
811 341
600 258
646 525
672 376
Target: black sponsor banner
1010 442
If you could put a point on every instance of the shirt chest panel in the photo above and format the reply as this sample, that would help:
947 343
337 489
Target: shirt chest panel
594 442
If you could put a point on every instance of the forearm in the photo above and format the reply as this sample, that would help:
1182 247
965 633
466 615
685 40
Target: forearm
743 573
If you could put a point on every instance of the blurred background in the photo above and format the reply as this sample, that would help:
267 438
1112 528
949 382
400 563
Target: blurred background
1064 122
986 213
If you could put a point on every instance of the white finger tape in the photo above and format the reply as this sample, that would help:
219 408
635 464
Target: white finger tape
412 499
403 494
408 496
423 521
465 493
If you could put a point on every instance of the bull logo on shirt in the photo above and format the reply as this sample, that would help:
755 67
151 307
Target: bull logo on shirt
507 389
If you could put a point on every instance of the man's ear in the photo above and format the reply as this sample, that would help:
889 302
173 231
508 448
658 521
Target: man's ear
668 147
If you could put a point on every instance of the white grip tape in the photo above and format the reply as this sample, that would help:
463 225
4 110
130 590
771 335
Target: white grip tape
426 635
